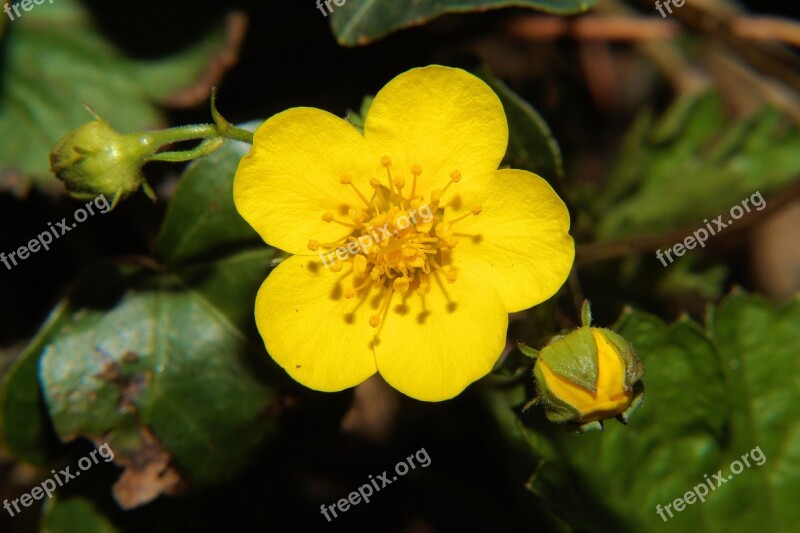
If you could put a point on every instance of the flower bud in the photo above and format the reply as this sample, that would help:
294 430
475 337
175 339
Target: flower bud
587 376
95 159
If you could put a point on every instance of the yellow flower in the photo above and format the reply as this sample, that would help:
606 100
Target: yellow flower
376 285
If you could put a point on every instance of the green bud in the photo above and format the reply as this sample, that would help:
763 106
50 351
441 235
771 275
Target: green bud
588 375
95 159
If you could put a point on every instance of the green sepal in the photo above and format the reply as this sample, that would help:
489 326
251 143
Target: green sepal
636 401
556 409
586 427
527 351
586 314
574 357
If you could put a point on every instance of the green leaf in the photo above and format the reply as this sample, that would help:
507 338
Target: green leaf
693 152
759 345
690 279
163 376
169 374
73 515
358 22
167 368
531 145
55 60
628 470
202 219
713 396
23 425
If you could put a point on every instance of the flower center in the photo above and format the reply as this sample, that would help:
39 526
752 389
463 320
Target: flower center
400 242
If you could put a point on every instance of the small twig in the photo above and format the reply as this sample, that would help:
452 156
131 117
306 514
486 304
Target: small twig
633 28
601 251
605 28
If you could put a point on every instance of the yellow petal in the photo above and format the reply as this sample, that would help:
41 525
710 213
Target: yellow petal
432 353
291 178
520 242
443 119
322 339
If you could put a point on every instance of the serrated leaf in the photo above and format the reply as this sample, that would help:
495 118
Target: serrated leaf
712 397
163 369
694 151
759 344
55 60
531 145
358 22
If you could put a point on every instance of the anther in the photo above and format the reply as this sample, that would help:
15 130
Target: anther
327 217
358 215
359 264
346 180
401 285
455 176
313 245
386 161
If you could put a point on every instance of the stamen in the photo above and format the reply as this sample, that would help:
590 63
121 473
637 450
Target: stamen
358 215
376 184
363 284
397 255
348 180
328 217
475 211
337 266
401 285
359 265
377 320
436 195
416 170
